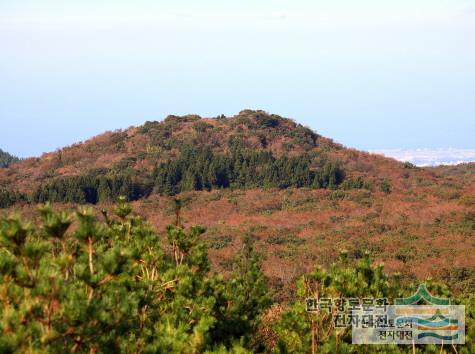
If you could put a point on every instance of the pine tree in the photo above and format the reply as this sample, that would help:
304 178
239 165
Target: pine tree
247 295
104 190
109 287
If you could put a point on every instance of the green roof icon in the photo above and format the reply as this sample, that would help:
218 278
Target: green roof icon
421 293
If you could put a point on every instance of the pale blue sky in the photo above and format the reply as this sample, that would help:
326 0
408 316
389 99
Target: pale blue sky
370 74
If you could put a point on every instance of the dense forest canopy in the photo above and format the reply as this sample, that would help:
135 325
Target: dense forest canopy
201 169
194 169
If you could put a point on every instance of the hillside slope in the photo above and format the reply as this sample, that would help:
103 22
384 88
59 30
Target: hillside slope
238 175
134 155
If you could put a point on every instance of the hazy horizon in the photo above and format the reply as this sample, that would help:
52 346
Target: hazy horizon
397 75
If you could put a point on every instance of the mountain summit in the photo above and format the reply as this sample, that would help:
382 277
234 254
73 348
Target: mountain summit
252 149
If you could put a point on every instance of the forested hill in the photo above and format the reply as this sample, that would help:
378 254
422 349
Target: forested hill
252 149
6 159
299 195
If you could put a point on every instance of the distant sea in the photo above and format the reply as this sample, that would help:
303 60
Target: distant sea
430 157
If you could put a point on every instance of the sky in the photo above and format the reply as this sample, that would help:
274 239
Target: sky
369 74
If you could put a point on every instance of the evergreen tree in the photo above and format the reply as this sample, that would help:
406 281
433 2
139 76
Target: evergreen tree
8 198
247 296
7 159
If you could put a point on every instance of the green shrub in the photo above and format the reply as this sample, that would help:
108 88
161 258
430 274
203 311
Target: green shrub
220 241
357 183
385 186
285 240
